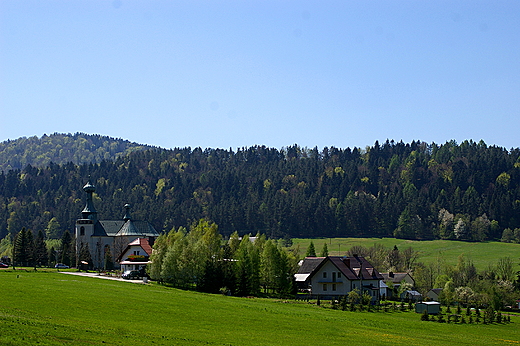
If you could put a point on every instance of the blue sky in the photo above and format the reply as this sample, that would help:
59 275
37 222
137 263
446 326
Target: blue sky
228 74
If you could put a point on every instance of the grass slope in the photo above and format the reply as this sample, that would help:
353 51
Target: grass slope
482 254
60 309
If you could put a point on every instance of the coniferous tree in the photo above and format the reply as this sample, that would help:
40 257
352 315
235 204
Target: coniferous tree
84 257
20 248
324 251
29 241
65 251
41 256
108 262
311 251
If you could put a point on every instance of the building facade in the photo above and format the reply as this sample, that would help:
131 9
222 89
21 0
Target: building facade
96 237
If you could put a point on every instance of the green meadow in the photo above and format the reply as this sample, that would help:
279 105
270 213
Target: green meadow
50 308
482 254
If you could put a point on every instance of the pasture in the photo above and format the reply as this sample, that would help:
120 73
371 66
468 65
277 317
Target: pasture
49 308
482 254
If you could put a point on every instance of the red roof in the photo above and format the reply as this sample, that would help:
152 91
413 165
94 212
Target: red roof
143 242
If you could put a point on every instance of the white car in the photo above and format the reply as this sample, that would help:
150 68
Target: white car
61 266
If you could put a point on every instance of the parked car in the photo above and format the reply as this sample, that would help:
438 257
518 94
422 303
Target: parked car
131 274
61 266
3 265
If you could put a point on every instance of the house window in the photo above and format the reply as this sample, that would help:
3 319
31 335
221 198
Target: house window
136 253
333 287
339 275
324 287
82 230
324 275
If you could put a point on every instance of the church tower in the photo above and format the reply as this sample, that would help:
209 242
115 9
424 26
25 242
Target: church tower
85 225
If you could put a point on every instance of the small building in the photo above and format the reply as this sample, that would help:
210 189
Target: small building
411 296
384 290
432 308
434 294
136 256
397 278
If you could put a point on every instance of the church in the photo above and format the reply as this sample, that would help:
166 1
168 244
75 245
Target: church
99 236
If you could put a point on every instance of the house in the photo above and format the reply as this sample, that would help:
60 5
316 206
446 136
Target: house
411 296
99 236
397 278
430 307
334 276
434 294
394 281
136 255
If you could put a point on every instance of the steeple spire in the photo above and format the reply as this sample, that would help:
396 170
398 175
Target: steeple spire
127 212
89 212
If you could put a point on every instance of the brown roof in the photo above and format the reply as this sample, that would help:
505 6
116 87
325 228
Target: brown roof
309 264
395 277
354 268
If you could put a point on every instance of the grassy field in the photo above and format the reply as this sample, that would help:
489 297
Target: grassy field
43 308
482 254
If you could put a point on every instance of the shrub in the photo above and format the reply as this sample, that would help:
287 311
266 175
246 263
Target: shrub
424 316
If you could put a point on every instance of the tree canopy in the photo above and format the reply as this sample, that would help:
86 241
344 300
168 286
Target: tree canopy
467 191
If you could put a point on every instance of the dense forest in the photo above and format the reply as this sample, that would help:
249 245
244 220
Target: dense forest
467 191
62 148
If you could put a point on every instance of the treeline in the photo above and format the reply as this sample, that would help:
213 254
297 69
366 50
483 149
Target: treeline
467 191
29 250
243 266
61 148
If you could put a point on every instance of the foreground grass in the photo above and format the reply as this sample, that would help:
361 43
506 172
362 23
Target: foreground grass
482 254
59 309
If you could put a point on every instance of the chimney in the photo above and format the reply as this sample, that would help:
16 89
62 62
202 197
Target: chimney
347 262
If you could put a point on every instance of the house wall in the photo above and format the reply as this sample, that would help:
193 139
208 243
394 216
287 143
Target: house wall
330 281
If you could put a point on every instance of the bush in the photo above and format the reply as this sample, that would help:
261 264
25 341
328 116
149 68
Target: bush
424 316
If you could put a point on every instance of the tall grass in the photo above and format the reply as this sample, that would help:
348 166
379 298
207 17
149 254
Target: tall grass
58 309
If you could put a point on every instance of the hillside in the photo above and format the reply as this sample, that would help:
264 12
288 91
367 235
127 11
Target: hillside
62 148
468 191
46 309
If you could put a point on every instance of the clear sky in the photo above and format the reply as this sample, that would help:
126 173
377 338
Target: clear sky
228 74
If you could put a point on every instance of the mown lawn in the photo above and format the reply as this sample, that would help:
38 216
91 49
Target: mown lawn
46 308
482 254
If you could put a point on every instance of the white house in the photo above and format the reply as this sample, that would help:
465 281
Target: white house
136 255
336 275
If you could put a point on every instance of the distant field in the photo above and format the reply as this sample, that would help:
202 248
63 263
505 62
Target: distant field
482 254
47 308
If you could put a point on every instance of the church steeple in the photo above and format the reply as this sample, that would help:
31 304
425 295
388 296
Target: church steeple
89 212
127 212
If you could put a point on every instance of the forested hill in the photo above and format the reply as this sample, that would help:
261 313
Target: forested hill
62 148
466 191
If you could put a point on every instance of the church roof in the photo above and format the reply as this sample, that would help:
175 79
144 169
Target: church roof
137 228
107 228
